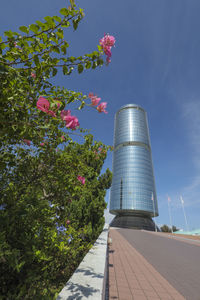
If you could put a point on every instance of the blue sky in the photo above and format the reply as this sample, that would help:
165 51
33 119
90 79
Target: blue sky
156 64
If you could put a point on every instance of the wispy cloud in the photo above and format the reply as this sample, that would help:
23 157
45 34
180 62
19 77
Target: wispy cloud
191 117
191 114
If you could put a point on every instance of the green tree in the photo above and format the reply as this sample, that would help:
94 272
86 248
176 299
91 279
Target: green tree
49 218
174 228
165 228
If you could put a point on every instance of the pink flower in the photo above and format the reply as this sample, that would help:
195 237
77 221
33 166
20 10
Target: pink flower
63 138
43 104
42 144
27 142
33 75
108 51
108 60
101 107
71 122
68 222
107 42
90 95
58 105
65 113
51 113
94 99
81 179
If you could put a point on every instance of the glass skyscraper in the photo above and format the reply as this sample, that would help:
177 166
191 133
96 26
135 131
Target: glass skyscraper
133 194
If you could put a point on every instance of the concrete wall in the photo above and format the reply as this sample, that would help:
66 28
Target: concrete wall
88 281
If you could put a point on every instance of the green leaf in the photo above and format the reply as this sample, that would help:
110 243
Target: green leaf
49 20
80 68
65 24
58 19
63 49
72 3
24 29
55 49
72 59
65 70
88 65
99 47
95 53
9 57
94 65
45 37
54 71
45 127
14 127
64 11
36 60
99 62
42 25
3 46
34 28
82 105
0 39
75 24
60 33
8 33
70 71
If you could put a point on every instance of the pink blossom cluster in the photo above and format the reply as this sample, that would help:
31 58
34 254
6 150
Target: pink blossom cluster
101 107
95 101
43 105
81 179
70 121
107 42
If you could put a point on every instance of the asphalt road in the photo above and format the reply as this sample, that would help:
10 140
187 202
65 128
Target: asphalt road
177 261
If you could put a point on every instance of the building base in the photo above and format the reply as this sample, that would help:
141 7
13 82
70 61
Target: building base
134 222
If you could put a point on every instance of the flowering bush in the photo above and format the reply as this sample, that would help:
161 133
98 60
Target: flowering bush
52 193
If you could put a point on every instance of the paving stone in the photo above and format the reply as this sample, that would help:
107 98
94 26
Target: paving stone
133 276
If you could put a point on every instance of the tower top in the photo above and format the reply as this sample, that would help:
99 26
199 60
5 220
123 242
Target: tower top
127 106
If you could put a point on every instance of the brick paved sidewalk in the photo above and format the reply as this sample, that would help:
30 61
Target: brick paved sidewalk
132 277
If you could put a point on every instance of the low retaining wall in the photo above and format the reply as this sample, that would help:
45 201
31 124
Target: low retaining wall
88 281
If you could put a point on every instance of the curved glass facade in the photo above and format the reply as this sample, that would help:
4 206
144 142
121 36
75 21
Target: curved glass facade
133 185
